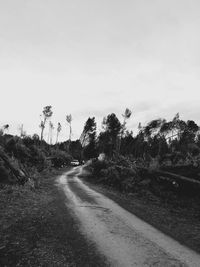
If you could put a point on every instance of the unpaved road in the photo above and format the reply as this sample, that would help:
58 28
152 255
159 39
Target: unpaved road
121 237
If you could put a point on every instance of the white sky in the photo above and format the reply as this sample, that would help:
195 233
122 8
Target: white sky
94 57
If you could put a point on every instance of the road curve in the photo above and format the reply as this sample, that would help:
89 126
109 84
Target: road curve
121 237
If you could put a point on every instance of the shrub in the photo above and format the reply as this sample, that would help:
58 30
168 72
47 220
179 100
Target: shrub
111 173
60 158
97 166
14 146
10 146
28 141
122 161
113 177
22 152
37 158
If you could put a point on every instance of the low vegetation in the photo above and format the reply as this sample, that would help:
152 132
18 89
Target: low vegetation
170 146
131 166
37 229
154 174
24 158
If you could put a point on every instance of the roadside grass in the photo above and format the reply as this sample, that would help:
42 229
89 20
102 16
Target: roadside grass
177 215
37 229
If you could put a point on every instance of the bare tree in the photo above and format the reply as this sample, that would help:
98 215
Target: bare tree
51 128
59 128
126 116
69 121
5 128
46 114
139 127
21 131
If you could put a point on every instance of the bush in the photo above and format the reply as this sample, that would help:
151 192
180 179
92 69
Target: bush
28 141
123 161
22 152
112 177
97 166
37 158
14 146
115 175
10 146
60 158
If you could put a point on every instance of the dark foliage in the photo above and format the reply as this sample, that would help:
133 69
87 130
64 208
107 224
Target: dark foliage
118 173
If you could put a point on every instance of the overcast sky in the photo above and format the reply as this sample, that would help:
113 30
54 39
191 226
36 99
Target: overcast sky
94 57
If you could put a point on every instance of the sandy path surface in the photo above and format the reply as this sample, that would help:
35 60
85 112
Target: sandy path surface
121 237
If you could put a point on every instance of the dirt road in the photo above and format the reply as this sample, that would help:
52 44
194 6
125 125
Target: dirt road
117 234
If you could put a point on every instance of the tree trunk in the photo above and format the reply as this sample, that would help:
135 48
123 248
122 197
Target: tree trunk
57 137
18 175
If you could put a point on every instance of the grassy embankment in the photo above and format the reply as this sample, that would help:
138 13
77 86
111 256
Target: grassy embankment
37 229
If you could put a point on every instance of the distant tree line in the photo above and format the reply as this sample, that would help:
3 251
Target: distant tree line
159 139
